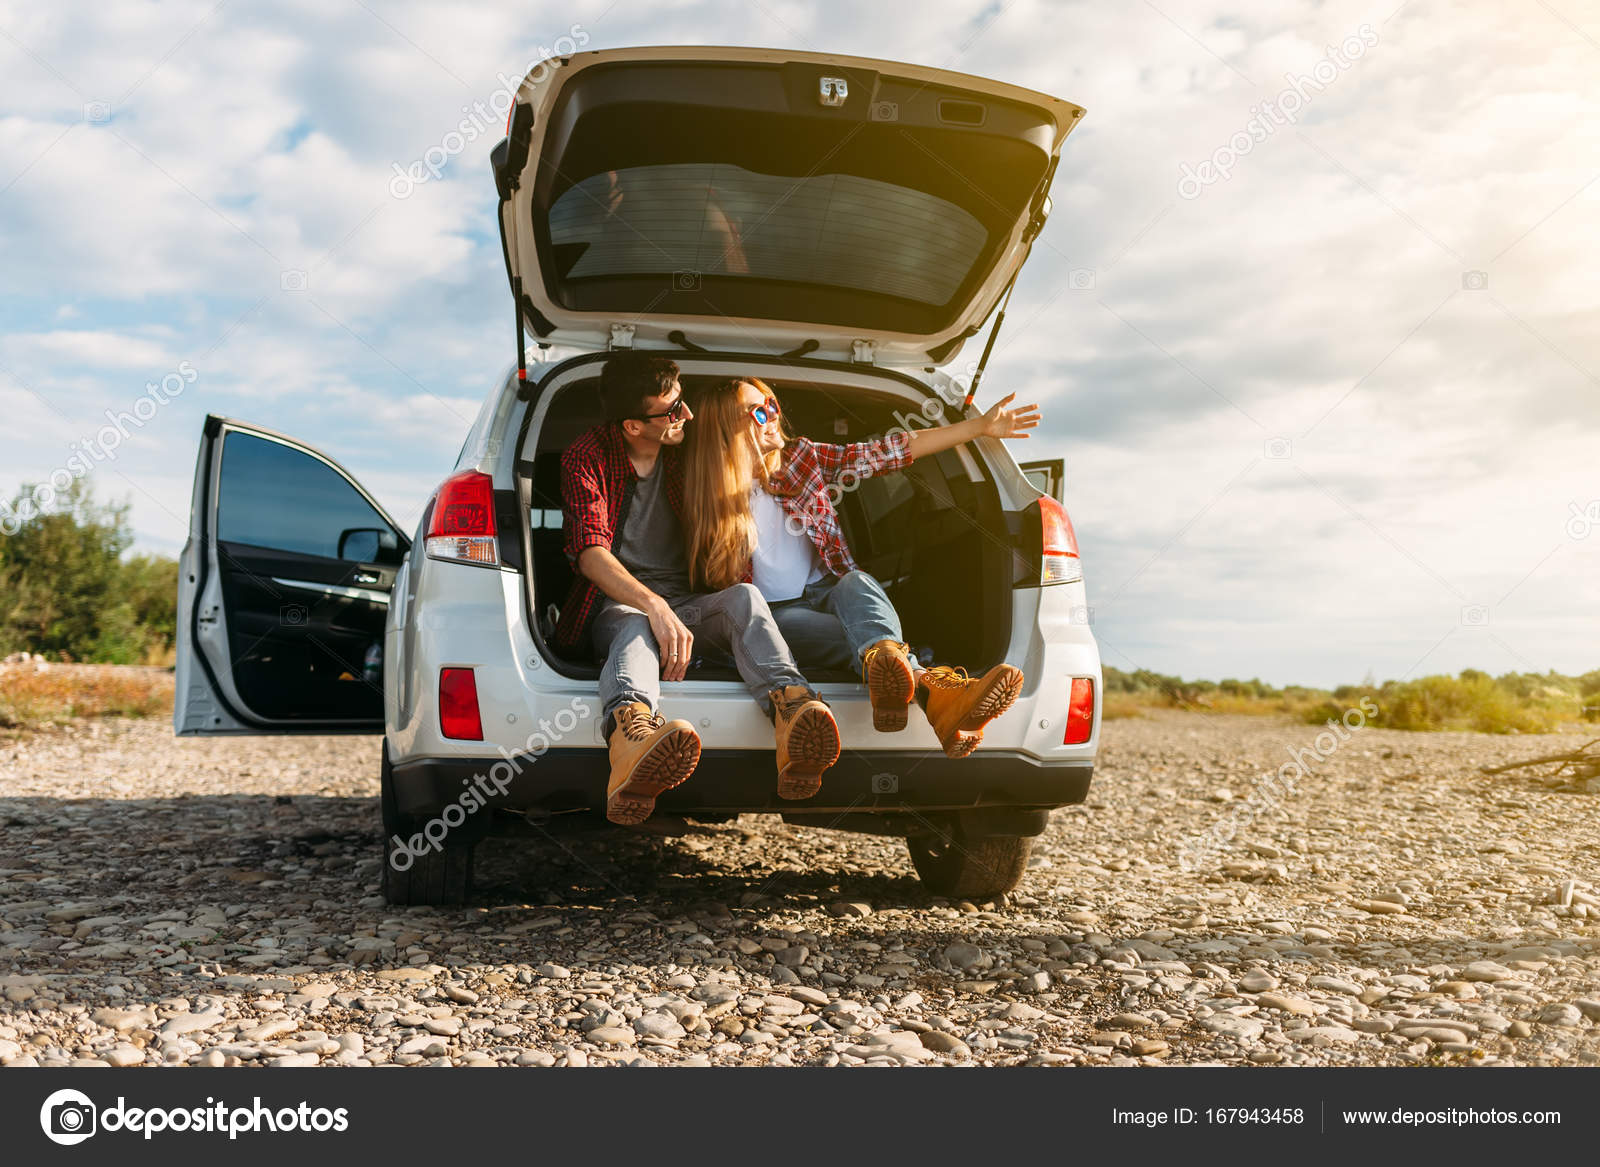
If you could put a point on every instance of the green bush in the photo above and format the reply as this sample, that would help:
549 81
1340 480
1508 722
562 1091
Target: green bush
67 592
1472 701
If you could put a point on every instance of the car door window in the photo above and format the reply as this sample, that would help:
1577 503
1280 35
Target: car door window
273 495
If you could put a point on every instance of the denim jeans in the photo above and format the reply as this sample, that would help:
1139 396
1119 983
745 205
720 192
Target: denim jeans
735 622
836 619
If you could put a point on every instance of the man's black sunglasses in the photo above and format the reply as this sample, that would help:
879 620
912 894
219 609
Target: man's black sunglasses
678 411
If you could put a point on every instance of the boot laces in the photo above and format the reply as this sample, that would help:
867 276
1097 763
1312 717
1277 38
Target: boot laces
637 724
945 677
867 657
786 705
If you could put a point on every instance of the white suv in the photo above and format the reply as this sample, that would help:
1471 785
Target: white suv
835 226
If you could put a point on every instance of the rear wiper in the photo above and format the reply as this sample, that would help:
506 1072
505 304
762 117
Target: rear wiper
676 337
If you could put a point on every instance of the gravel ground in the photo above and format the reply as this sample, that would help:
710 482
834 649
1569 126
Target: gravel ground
215 902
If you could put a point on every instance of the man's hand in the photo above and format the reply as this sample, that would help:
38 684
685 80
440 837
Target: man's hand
673 638
1000 422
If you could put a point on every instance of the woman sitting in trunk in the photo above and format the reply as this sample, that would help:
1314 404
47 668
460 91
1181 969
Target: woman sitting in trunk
756 507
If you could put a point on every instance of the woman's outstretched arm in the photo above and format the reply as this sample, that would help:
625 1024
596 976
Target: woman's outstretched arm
1001 421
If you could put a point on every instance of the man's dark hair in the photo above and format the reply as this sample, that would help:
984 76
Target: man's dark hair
629 377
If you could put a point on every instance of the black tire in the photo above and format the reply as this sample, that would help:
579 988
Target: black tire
956 865
393 822
434 878
441 878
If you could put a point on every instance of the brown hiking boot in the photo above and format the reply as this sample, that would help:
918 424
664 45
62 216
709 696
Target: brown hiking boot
808 741
887 669
960 706
649 755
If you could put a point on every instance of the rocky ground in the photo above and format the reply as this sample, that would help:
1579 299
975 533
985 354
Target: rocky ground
215 902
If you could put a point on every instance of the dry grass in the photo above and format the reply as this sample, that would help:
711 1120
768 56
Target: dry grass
32 696
1118 705
1134 704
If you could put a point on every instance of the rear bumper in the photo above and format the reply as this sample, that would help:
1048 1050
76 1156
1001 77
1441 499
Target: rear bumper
743 781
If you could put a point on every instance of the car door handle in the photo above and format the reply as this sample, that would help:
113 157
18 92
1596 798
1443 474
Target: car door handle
366 577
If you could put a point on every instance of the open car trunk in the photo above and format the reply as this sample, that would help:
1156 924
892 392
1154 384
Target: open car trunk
932 533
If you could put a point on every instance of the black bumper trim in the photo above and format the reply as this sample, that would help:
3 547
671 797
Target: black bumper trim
741 781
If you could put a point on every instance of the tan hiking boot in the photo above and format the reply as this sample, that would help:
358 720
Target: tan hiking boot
808 741
960 706
886 666
649 755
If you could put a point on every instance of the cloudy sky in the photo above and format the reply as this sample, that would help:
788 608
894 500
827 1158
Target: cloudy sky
1333 413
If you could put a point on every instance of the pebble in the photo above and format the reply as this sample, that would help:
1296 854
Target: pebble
123 1055
1561 1014
1287 1004
944 1043
1230 1026
965 956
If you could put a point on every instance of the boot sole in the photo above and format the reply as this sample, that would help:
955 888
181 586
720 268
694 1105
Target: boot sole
665 765
890 686
1001 687
813 747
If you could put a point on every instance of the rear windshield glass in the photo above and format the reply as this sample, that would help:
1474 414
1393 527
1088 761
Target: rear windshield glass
839 230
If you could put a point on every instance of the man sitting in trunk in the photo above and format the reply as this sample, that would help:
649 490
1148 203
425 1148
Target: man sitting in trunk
622 499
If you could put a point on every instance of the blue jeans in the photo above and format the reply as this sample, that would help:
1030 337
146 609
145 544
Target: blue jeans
734 622
836 619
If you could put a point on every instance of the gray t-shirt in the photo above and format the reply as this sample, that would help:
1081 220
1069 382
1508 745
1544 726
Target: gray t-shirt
650 544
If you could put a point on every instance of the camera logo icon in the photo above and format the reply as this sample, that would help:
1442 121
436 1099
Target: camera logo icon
1475 615
885 111
1278 449
1475 281
1081 279
292 280
1582 520
97 113
685 281
886 784
293 615
1082 615
68 1117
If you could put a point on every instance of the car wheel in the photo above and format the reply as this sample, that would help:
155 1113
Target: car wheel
957 865
393 823
433 878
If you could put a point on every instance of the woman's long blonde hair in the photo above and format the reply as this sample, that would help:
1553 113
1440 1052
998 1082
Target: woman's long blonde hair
721 464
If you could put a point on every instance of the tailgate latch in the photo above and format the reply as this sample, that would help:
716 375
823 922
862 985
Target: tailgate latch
862 352
831 91
622 336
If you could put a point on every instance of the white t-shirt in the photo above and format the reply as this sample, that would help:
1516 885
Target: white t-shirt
784 561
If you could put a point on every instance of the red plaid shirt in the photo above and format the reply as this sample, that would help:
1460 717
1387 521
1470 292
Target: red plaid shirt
596 476
813 474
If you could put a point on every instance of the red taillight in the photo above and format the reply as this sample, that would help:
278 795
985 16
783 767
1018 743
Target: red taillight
462 527
1059 561
1080 712
458 705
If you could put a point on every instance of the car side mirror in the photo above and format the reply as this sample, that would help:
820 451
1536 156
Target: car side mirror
369 545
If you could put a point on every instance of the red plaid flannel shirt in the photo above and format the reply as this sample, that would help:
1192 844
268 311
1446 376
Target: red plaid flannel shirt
810 468
595 478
